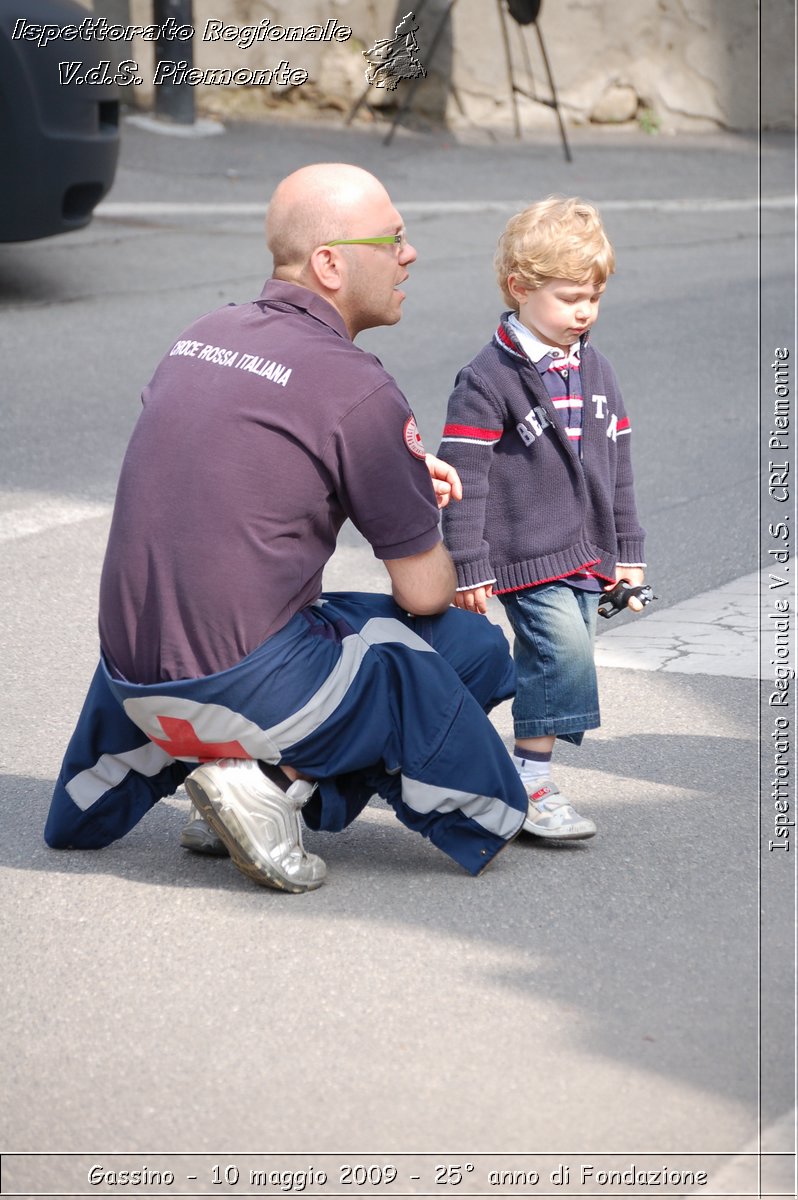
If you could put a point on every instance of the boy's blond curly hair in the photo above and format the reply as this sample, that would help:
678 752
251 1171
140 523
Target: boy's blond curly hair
556 238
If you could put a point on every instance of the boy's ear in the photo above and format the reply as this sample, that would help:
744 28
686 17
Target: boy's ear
517 288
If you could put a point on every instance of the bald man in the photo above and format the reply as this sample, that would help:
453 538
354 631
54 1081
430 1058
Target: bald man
224 664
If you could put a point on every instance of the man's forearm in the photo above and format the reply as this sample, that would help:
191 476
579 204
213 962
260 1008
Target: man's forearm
423 584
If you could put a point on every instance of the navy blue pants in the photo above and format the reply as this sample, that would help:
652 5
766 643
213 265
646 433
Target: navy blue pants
352 692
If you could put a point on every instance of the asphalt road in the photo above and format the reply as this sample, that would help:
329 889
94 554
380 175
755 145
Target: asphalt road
607 997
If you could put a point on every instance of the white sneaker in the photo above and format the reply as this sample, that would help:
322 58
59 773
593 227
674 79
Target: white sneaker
258 822
551 816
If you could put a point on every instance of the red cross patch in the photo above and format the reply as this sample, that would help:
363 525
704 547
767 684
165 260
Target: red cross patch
181 741
413 438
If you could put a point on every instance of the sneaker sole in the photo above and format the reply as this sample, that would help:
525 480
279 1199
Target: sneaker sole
239 845
559 835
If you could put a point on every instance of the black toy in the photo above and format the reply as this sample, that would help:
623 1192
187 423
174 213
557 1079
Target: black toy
616 601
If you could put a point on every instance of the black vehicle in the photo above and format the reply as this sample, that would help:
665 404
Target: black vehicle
59 133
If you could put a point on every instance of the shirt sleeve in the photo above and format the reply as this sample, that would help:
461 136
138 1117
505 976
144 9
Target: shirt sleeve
381 477
473 427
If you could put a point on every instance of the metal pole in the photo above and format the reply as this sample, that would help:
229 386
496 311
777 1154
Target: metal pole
174 99
510 77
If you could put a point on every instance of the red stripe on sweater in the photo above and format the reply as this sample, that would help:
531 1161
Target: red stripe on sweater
484 435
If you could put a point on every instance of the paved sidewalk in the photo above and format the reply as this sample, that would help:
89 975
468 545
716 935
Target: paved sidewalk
714 633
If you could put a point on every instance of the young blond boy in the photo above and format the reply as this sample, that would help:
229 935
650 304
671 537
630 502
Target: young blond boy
537 429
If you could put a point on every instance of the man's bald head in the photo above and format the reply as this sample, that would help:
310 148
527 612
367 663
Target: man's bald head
313 206
331 202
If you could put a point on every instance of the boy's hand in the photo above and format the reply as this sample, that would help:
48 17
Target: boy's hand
634 575
445 480
474 599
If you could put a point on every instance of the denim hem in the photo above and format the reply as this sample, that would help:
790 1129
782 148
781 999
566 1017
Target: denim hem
557 726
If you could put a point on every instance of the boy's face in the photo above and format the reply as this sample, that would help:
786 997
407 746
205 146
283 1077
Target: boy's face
559 311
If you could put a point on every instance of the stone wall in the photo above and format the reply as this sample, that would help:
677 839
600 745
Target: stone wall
661 64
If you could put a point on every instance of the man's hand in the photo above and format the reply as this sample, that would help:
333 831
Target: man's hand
634 575
474 599
445 480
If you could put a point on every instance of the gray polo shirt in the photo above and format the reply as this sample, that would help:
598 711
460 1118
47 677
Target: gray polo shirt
262 430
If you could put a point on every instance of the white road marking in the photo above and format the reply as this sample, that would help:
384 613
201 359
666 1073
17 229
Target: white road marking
47 514
144 209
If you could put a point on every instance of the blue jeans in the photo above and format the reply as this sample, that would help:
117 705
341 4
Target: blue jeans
557 690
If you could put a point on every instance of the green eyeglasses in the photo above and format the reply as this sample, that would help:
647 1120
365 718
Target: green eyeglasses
391 239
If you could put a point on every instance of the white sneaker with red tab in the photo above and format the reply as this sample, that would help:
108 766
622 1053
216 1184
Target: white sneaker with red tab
550 815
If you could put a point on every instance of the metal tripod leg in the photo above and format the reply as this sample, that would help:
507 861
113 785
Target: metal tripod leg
555 102
516 90
509 61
